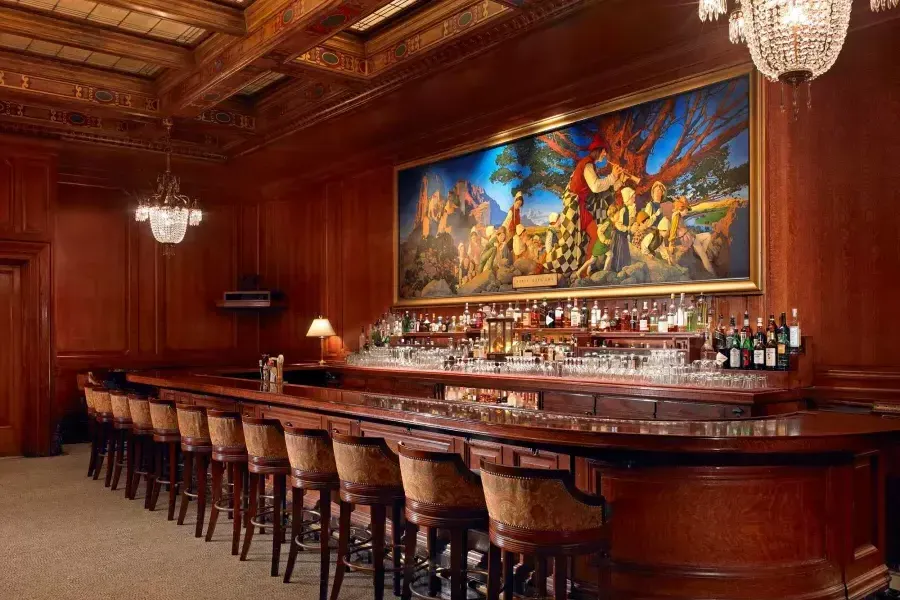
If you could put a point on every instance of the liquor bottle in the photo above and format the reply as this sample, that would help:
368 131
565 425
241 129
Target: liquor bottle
435 324
426 324
595 316
719 338
567 315
517 314
746 350
759 346
795 336
635 320
783 336
680 319
702 311
536 314
734 346
494 313
441 326
604 319
546 315
672 319
525 317
575 315
690 318
614 321
625 319
654 318
662 325
559 315
466 321
509 312
746 328
644 323
362 338
771 345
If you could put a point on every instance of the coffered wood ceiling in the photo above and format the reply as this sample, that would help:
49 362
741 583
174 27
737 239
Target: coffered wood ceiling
234 74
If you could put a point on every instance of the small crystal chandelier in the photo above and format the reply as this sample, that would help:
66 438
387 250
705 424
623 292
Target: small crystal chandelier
711 10
169 211
736 26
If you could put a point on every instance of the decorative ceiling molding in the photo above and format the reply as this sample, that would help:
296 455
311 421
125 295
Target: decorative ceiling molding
311 21
206 15
79 35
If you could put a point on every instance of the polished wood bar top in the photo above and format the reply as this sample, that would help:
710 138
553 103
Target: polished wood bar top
802 432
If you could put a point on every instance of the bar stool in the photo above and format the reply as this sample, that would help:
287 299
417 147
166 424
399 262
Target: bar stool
441 493
167 438
541 513
104 418
313 468
144 450
369 476
196 447
123 454
267 455
229 452
93 428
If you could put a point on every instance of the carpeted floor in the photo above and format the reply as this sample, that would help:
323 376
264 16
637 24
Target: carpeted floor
66 537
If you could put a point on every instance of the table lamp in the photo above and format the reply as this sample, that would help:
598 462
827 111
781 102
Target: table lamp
321 329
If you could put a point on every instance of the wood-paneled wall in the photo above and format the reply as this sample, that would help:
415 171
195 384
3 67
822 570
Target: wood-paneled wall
832 247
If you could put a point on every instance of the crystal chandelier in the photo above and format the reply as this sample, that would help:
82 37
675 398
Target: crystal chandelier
169 211
790 41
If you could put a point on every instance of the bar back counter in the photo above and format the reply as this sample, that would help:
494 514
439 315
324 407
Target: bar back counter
713 493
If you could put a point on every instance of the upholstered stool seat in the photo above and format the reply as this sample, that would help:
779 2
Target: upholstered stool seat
441 493
123 452
313 468
267 455
369 475
229 453
541 513
196 448
168 438
140 461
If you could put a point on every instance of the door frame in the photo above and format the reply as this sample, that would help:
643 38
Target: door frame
36 384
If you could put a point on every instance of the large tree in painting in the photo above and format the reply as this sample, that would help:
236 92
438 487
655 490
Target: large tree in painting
668 202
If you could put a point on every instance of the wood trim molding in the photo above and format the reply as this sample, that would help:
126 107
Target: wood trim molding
206 15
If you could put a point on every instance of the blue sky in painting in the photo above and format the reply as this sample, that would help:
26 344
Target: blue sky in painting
477 168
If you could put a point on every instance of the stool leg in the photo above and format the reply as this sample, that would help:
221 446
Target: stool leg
230 470
217 468
202 471
296 520
122 455
261 487
324 539
100 433
409 559
379 515
540 575
343 547
509 561
559 578
251 513
495 570
396 541
92 435
173 478
279 483
434 584
134 453
153 484
110 455
188 474
458 542
237 506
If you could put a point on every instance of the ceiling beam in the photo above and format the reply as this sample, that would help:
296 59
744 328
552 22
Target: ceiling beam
271 23
46 28
206 15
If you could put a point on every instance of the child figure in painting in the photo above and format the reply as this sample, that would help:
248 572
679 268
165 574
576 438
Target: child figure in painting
520 243
600 256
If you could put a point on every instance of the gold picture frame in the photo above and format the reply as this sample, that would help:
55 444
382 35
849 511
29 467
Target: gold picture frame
753 284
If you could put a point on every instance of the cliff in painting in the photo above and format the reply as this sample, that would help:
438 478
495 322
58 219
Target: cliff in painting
655 193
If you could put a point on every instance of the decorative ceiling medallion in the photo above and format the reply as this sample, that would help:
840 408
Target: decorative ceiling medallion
287 16
104 96
464 19
330 58
223 117
400 50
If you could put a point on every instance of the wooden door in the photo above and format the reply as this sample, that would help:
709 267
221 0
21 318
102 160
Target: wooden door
11 358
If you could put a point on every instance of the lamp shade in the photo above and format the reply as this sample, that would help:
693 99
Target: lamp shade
320 328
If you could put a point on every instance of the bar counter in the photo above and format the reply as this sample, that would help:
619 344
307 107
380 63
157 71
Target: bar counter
785 506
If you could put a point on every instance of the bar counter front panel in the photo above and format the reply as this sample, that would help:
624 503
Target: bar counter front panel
779 507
